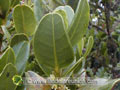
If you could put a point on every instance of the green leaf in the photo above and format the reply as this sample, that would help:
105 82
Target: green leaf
89 46
80 67
18 38
6 76
39 9
7 57
74 66
24 19
22 51
69 12
7 34
30 76
67 69
80 22
80 46
63 14
52 47
4 7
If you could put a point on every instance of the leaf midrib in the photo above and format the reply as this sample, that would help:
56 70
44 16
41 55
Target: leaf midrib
54 45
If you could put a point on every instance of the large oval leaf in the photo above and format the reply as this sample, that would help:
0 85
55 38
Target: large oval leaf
7 57
51 44
24 19
80 22
22 51
6 76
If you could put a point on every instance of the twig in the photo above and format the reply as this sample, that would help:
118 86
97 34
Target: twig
107 16
97 27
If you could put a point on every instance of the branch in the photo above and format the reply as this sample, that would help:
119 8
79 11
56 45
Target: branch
107 16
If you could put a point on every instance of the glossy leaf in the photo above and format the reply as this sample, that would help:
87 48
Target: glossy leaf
89 46
24 20
18 38
69 12
30 76
6 76
51 44
80 22
22 51
7 57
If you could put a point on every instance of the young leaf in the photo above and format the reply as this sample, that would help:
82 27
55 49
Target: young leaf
80 46
89 46
21 50
24 20
69 12
68 68
7 57
63 14
80 22
6 76
18 38
74 66
51 44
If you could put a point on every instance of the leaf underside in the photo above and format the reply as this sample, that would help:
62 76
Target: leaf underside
51 44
